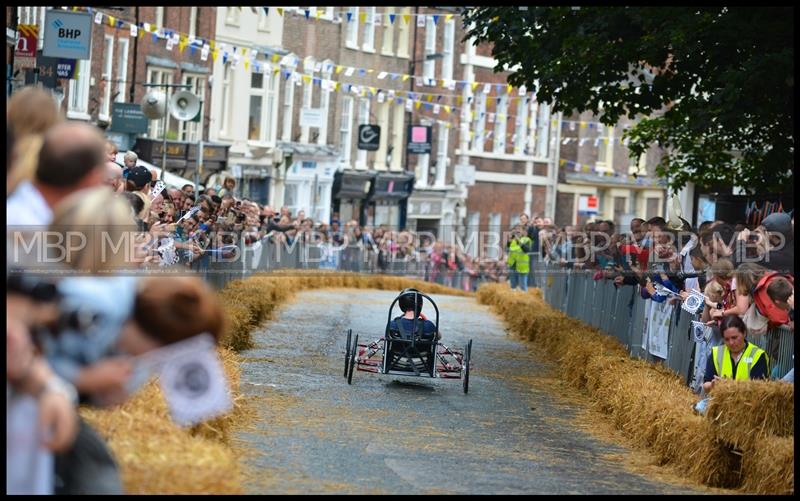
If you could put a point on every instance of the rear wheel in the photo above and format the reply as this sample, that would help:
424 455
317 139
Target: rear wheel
352 360
465 363
347 351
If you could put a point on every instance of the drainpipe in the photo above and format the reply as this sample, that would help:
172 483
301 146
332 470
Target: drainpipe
132 92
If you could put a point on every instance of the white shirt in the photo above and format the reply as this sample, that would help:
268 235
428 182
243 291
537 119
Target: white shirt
27 207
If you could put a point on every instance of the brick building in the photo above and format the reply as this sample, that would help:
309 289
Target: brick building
594 161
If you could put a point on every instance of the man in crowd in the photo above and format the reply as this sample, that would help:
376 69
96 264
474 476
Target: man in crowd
72 158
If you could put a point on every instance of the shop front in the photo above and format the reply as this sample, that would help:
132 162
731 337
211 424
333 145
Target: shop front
425 209
350 195
388 202
182 157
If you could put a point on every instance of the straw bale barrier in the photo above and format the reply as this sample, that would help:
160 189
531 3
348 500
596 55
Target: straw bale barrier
747 411
156 456
652 406
768 468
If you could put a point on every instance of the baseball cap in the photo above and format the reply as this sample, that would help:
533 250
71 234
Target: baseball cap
779 222
140 176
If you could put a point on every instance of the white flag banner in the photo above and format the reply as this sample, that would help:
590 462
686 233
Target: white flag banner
409 104
204 52
420 21
381 97
194 210
700 331
694 301
193 381
436 109
98 18
487 88
170 43
382 75
134 30
349 71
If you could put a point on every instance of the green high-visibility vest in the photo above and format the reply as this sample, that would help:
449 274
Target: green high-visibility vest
517 258
724 365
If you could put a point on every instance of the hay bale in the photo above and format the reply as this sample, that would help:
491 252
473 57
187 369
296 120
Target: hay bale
768 467
744 412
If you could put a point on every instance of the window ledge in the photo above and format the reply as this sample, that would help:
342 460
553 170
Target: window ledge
350 45
78 115
370 50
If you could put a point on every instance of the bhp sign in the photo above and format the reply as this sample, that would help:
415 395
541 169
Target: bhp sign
67 34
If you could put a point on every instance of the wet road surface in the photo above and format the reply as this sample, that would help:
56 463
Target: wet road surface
389 434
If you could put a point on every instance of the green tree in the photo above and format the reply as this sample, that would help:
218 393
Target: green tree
713 86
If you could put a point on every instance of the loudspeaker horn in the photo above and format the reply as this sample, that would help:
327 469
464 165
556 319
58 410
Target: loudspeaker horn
154 105
184 105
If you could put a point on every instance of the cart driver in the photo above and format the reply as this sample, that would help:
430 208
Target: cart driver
410 303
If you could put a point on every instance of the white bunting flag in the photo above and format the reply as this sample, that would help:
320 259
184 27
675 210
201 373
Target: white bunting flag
204 52
436 109
381 97
193 381
349 71
382 75
157 189
146 27
522 90
98 18
420 21
170 43
571 125
451 84
318 67
487 88
134 30
596 142
409 104
491 118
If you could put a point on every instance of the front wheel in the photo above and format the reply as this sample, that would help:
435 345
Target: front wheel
465 363
347 351
352 360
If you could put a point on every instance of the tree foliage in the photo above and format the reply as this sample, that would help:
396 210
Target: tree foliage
713 86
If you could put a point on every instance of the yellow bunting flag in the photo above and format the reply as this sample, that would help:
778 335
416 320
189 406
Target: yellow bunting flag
111 21
339 69
319 13
448 17
417 104
489 101
562 161
446 108
363 17
182 43
276 70
244 51
406 77
458 100
429 98
474 86
406 18
212 44
336 86
306 78
508 88
276 58
280 11
214 55
583 125
370 70
473 116
246 64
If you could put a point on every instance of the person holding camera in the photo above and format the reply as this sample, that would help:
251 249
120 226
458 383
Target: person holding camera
518 262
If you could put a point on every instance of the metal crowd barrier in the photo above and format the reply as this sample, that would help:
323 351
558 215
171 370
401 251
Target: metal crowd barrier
620 312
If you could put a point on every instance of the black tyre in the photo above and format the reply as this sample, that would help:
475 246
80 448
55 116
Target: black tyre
352 360
467 356
347 351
